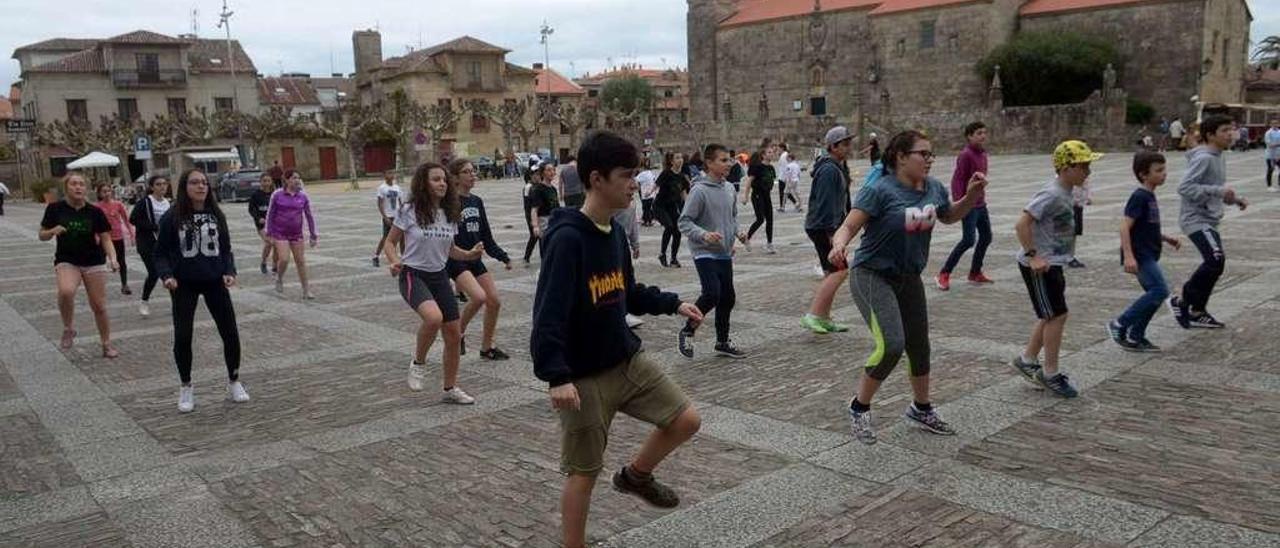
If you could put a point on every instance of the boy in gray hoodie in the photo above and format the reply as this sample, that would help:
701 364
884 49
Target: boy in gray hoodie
710 222
1204 195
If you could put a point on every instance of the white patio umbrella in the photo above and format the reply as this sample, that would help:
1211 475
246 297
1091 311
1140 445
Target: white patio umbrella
94 159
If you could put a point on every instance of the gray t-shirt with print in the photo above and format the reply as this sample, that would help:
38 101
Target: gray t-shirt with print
1054 232
425 248
896 238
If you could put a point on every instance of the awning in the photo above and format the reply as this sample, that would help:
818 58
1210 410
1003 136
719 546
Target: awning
94 159
213 156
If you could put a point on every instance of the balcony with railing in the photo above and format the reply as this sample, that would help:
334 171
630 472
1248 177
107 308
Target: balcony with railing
149 78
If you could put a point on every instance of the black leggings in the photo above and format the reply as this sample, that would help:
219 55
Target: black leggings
783 196
529 220
762 203
218 300
146 250
120 258
668 217
716 276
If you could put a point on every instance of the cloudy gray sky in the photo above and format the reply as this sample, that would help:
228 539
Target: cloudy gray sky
313 36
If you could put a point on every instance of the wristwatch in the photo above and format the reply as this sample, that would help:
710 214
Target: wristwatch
1029 253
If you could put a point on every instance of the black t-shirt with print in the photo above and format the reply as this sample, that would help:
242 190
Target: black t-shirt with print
79 244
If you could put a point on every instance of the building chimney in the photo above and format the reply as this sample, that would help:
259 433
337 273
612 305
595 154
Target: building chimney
537 66
367 47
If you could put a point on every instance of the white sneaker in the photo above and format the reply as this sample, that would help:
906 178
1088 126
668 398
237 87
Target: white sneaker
144 309
237 393
186 399
768 248
633 322
456 395
279 285
1273 188
818 271
415 376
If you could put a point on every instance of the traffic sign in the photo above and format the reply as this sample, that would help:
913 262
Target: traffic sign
19 126
142 147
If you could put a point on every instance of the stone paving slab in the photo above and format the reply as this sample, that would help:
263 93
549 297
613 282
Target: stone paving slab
333 450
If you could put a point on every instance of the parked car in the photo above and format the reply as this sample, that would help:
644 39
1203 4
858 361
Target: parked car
238 185
485 167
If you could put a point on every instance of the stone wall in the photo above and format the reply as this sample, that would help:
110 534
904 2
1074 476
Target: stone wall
50 92
1228 22
306 154
1158 42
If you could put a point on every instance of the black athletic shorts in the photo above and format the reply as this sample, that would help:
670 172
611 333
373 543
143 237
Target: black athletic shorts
1048 291
419 286
456 268
822 244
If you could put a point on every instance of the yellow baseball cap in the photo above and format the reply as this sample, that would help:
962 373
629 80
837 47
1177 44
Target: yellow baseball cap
1073 152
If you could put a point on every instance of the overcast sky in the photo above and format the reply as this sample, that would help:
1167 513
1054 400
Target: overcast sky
315 36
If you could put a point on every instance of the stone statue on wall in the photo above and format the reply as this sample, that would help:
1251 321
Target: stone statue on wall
1108 80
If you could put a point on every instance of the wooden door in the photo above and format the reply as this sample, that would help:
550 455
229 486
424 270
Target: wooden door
328 163
287 160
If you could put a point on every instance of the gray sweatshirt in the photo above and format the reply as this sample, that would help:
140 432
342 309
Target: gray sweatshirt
1202 188
631 223
712 206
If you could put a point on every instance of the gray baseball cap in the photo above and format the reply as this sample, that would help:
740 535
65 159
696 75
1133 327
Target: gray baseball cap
835 135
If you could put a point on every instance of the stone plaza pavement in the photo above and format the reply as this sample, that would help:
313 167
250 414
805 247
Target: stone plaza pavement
1171 449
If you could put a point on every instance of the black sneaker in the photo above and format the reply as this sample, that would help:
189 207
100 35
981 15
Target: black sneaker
727 350
684 342
650 490
1205 321
662 259
462 297
494 354
928 420
1028 371
1179 311
375 262
1142 345
263 267
1059 384
1119 335
1075 263
675 263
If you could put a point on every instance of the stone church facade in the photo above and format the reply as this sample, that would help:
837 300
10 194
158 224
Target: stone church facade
791 68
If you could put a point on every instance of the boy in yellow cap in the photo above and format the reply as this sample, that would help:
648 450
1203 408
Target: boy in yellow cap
1047 233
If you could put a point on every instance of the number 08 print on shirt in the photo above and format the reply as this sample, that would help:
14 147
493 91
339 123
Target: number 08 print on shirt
200 237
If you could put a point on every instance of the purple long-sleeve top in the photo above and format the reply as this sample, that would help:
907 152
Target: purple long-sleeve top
971 160
284 215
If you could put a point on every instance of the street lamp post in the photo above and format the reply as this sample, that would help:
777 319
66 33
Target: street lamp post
224 22
546 72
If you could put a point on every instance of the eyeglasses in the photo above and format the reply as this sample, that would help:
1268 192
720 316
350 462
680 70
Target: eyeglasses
926 155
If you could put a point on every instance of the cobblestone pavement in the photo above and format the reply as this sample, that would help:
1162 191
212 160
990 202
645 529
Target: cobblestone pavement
1171 449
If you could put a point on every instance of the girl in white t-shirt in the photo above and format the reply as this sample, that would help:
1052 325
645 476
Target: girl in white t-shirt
426 224
648 181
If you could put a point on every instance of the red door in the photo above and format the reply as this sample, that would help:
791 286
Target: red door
328 163
379 158
286 158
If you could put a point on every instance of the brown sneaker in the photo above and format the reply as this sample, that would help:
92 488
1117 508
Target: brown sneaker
648 490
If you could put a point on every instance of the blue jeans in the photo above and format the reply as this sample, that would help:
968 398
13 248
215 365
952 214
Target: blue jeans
1139 314
977 222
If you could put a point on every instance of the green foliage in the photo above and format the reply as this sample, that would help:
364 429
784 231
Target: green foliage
38 189
1138 112
8 151
1267 52
1049 68
627 96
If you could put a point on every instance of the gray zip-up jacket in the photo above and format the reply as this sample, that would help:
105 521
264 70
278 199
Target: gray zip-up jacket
712 206
1202 188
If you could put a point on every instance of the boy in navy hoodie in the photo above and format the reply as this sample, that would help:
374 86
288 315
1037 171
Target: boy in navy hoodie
582 348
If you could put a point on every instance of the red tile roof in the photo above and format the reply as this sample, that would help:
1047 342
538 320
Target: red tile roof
287 91
559 85
899 6
465 44
89 60
654 76
60 44
144 37
204 51
756 11
1039 7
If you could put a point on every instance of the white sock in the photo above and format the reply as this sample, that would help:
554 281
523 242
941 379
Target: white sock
1029 359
